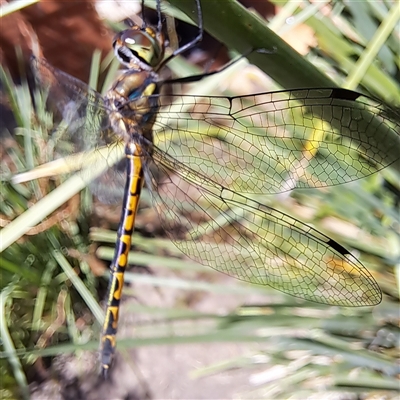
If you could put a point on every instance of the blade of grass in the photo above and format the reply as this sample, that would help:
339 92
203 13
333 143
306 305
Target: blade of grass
192 285
90 301
368 56
41 296
9 346
9 8
241 30
95 70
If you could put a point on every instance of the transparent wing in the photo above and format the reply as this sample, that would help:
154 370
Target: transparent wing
84 116
250 241
273 142
82 125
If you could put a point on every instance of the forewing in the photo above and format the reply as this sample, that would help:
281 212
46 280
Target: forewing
81 125
273 142
250 241
83 113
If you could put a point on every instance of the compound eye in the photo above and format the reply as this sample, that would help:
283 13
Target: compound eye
133 39
140 44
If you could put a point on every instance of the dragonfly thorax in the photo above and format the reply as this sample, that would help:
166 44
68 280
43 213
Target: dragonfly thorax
133 86
139 48
132 104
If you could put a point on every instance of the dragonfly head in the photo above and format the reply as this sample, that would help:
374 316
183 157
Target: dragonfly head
138 47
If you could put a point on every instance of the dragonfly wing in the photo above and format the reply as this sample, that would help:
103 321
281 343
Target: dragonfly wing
82 126
251 241
84 117
273 142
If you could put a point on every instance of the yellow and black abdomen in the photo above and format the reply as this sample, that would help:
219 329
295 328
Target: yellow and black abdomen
133 116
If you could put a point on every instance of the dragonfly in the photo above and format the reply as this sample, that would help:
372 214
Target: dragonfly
206 160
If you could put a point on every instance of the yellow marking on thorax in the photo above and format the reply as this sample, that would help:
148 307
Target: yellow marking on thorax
149 89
